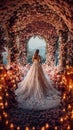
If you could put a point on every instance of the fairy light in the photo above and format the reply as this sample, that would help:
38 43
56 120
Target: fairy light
0 87
33 128
69 106
0 118
64 110
6 122
68 127
5 75
14 85
2 78
1 104
64 96
6 104
72 114
7 94
10 77
47 126
13 81
18 128
66 117
56 128
0 97
5 115
27 128
43 128
61 119
11 126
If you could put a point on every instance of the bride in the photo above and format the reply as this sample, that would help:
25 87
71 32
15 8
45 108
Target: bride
36 90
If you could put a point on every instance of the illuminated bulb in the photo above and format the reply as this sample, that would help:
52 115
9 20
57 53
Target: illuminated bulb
43 128
71 116
27 128
69 106
6 94
0 97
70 87
14 85
0 118
47 125
1 104
6 104
64 96
64 110
5 115
4 112
72 112
33 128
11 126
1 67
10 77
61 119
56 128
68 128
2 78
5 75
6 122
13 81
5 90
66 118
18 128
0 87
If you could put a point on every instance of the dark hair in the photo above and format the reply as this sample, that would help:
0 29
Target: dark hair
37 51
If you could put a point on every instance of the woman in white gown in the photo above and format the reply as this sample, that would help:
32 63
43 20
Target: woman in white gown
36 91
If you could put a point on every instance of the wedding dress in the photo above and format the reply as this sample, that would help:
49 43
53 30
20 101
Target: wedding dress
36 90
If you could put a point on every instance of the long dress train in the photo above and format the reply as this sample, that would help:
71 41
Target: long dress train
36 90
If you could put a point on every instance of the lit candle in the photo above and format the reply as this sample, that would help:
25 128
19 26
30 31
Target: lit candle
18 128
68 128
6 94
0 118
6 104
0 97
11 126
33 128
61 119
69 106
56 128
64 110
5 115
6 122
27 128
0 87
64 96
47 126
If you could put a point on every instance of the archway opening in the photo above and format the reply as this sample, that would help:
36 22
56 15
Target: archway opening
36 42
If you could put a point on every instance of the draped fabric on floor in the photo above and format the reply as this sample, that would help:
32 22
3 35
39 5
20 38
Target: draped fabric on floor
36 90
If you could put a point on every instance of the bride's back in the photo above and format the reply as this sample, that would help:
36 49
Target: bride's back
36 56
